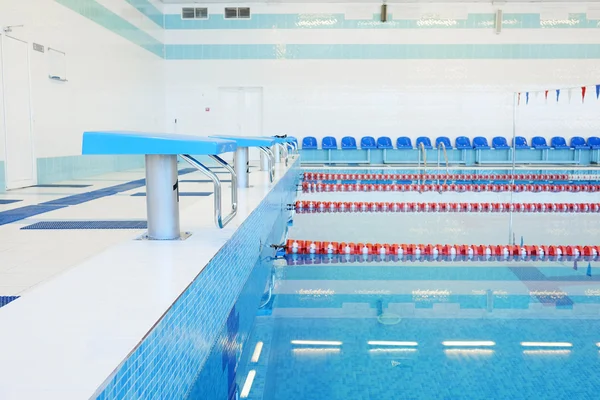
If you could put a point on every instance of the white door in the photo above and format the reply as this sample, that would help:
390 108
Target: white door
20 167
240 113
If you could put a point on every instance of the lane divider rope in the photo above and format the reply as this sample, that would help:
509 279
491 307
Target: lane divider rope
303 207
399 249
380 187
308 259
317 176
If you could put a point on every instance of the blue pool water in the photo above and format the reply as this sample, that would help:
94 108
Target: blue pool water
499 304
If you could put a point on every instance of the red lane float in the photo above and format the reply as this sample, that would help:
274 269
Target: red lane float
317 176
308 187
304 206
401 249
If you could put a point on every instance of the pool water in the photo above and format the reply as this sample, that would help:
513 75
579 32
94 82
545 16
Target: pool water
354 327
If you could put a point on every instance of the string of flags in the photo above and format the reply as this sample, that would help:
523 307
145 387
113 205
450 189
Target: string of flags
556 93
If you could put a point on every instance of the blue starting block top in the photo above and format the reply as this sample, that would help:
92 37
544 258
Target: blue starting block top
124 142
250 141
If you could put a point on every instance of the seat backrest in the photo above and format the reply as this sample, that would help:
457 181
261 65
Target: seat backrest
329 142
558 141
520 142
577 141
309 142
538 141
403 142
384 142
463 142
499 142
368 142
348 142
425 140
594 142
480 141
445 140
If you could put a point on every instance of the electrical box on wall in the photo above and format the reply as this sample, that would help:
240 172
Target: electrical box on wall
384 12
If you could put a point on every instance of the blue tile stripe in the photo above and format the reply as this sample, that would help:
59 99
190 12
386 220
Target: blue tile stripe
70 225
167 362
381 51
4 300
104 17
149 10
339 21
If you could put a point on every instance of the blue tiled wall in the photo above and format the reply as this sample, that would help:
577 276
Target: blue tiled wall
380 51
165 365
339 21
114 23
54 169
149 10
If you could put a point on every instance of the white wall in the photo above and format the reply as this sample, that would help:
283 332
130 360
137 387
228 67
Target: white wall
112 82
390 97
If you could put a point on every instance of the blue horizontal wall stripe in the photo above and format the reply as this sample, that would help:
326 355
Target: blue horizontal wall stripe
149 10
104 17
381 51
339 21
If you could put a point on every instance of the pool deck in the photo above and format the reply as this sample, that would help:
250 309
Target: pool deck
88 298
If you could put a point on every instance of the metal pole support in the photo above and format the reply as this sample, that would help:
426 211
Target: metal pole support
162 197
264 162
241 166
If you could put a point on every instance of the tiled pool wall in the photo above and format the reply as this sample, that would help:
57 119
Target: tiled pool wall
167 363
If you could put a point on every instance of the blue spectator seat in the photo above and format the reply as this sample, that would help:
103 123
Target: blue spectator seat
538 142
309 143
577 142
462 143
480 143
329 143
403 142
368 143
384 142
445 140
559 142
499 142
426 142
594 142
520 143
348 143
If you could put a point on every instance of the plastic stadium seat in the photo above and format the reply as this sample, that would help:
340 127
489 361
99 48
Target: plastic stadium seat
348 143
384 142
309 142
499 142
594 142
538 142
559 142
426 142
479 142
367 143
521 143
463 142
329 143
403 142
577 142
445 140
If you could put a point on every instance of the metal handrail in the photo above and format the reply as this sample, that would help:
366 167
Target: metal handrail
284 149
271 158
447 164
219 221
422 149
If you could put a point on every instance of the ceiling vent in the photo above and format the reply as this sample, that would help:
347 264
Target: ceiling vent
237 12
194 13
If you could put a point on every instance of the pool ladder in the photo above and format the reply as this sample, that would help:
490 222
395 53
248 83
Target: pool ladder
443 148
421 171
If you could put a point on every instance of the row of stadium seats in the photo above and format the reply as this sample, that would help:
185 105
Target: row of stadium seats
461 143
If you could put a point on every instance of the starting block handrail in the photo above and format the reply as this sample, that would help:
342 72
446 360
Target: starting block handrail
271 157
219 221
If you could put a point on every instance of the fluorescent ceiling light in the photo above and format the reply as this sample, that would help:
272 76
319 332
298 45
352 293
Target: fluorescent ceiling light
248 384
468 343
390 343
392 350
546 344
547 352
469 351
257 351
317 342
313 350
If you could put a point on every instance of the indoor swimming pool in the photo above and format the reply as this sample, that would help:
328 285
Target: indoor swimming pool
351 318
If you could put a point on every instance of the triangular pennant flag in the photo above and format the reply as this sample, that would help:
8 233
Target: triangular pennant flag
518 99
526 97
557 94
589 270
546 96
597 91
570 94
583 90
